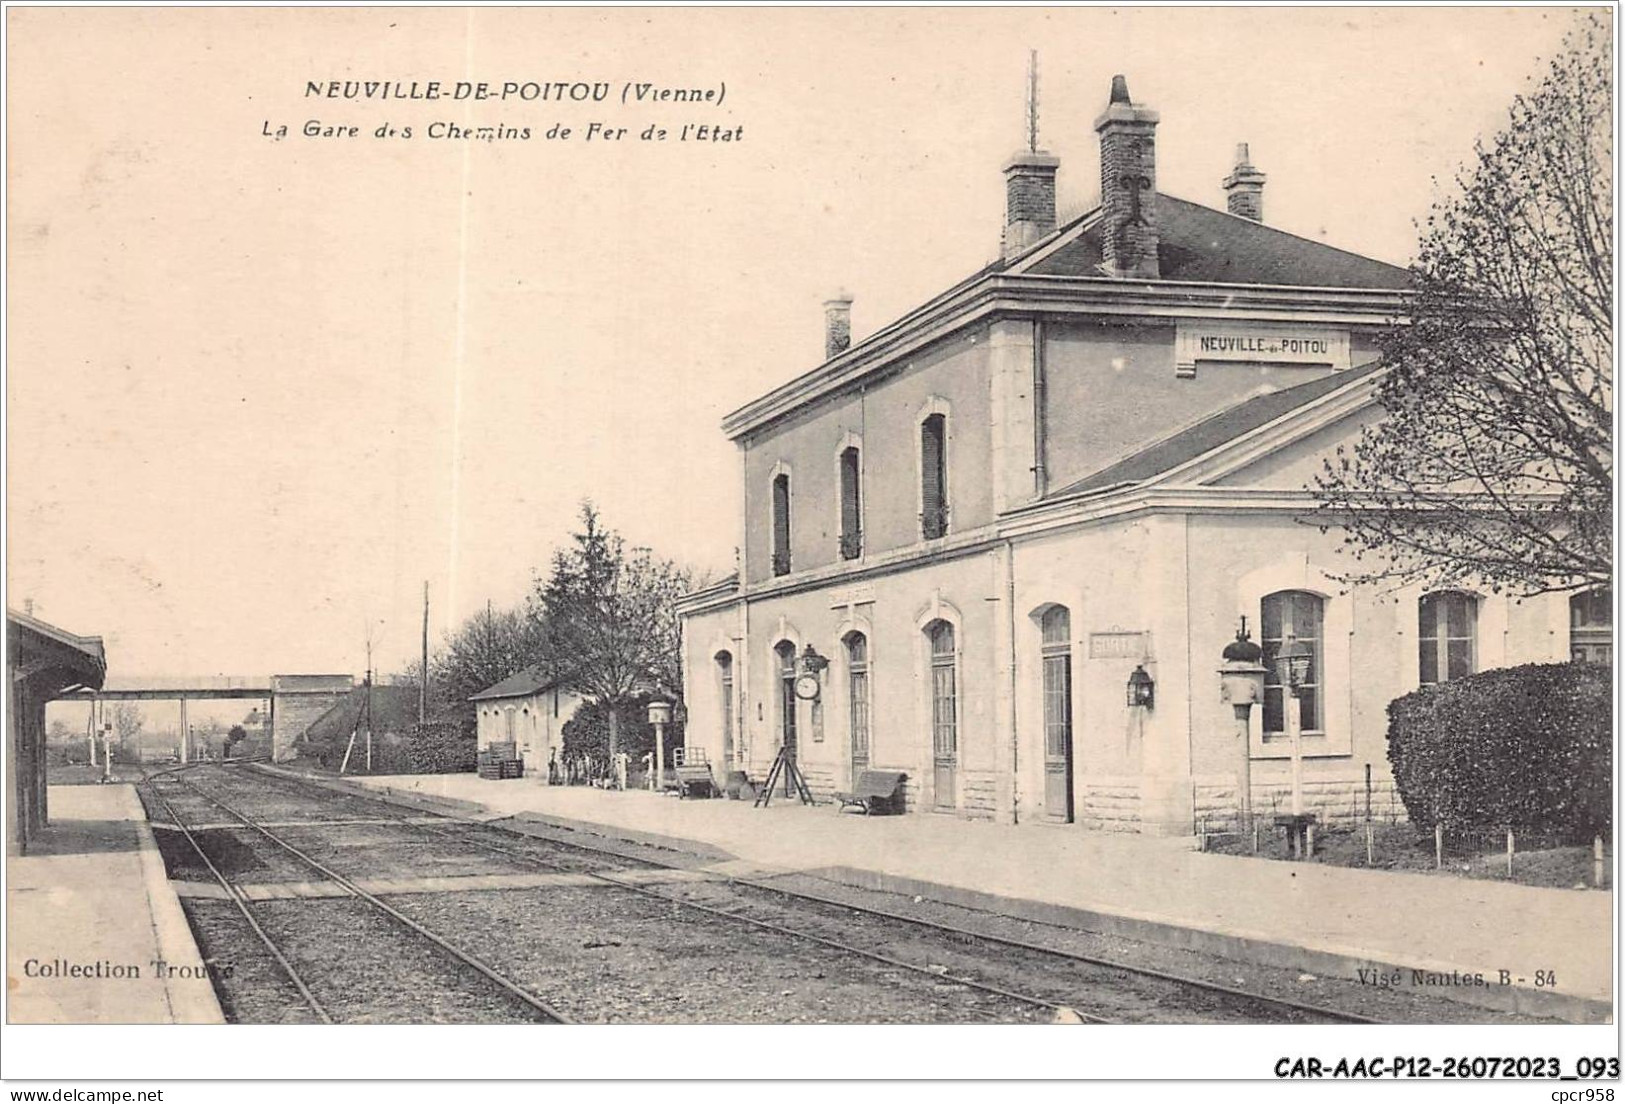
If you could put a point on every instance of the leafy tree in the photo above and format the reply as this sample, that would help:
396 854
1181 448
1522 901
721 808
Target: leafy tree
1494 461
588 730
610 619
234 736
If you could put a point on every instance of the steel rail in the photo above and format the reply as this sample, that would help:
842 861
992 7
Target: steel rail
465 957
239 899
767 925
1202 984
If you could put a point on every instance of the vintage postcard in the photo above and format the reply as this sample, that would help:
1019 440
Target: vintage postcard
826 516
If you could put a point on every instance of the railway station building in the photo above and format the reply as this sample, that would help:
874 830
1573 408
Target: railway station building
1012 531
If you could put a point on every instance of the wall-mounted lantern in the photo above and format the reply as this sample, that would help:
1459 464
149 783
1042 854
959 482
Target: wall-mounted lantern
1141 690
811 661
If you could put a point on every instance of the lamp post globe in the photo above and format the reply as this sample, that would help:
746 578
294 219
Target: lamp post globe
1292 664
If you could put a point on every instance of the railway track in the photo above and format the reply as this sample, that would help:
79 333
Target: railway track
1176 990
541 1009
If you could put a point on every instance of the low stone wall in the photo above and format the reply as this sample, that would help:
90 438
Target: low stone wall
1334 803
1110 804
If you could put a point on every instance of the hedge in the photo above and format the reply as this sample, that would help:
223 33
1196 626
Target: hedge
438 747
588 731
1528 748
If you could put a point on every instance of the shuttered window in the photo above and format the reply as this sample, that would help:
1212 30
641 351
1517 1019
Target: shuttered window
851 504
934 476
781 525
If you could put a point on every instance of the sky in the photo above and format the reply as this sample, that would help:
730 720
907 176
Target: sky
260 390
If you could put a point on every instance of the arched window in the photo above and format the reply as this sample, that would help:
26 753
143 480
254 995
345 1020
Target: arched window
934 476
851 503
786 654
1293 615
1447 636
725 694
1591 626
944 710
857 686
781 524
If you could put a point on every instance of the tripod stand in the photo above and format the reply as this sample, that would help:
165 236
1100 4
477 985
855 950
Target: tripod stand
785 763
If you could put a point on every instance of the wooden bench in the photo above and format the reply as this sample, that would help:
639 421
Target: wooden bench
876 792
694 780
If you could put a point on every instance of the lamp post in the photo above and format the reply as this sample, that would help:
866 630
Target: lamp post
660 716
1292 666
1241 683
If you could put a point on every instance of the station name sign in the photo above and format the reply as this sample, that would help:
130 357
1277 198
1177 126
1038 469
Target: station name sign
1258 344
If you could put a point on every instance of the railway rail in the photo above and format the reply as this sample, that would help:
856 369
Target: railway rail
1261 1006
540 1007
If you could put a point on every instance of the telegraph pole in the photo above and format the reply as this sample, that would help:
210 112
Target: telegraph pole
369 701
423 672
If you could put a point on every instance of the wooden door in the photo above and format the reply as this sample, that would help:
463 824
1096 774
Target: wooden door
1057 690
944 716
857 665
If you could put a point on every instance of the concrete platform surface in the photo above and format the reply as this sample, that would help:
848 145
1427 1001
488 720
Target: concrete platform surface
1324 919
94 932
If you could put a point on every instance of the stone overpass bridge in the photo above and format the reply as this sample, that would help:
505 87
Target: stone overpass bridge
292 701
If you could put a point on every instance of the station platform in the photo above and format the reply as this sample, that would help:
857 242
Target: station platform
1325 920
94 932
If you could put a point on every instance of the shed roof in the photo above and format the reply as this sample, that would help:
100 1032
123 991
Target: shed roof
80 660
520 684
1211 432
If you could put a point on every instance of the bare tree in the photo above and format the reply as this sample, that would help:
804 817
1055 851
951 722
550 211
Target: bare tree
482 651
1495 459
128 721
610 618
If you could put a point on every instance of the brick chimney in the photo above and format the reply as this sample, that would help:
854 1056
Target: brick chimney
1244 188
837 324
1029 199
1128 185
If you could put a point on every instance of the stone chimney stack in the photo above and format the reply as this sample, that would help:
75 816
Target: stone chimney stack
837 324
1029 199
1244 188
1128 185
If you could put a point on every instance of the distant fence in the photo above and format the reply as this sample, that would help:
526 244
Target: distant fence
1379 836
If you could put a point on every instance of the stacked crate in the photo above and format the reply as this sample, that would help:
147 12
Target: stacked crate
501 760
